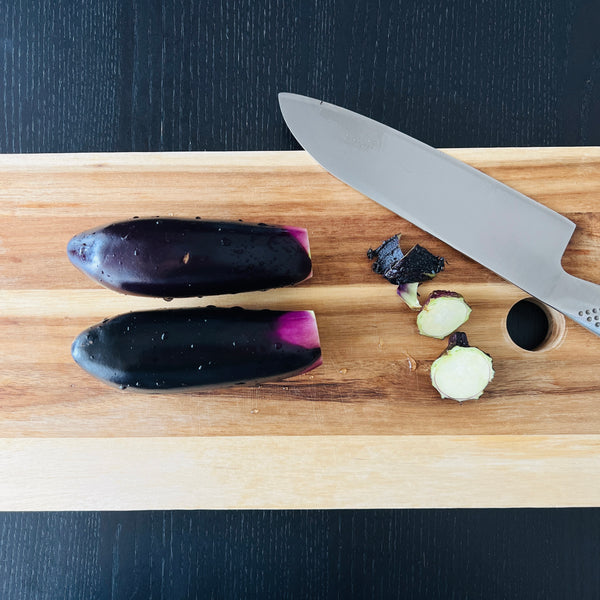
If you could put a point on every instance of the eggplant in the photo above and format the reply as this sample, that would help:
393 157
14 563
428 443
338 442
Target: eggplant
417 265
198 348
462 372
178 258
443 312
409 292
386 255
406 271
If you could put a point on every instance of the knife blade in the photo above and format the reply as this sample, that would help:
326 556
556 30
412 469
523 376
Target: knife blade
509 233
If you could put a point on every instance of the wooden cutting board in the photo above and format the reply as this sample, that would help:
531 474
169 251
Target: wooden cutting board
366 429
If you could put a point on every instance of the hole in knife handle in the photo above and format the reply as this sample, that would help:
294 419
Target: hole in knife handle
533 326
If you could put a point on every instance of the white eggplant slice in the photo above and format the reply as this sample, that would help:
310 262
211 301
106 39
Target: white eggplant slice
409 293
462 372
442 313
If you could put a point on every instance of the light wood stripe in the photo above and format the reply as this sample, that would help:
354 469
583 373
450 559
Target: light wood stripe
299 472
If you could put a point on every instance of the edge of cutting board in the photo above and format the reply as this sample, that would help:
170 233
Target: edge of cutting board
301 472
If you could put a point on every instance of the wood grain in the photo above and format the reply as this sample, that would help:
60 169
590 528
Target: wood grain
299 472
320 554
374 384
177 75
375 377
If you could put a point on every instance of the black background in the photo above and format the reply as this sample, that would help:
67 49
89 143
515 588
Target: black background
88 75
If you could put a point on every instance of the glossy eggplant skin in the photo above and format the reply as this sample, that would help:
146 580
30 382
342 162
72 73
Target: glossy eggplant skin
177 258
198 348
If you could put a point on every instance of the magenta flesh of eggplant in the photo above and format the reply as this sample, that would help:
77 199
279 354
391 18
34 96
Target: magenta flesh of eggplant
177 258
198 348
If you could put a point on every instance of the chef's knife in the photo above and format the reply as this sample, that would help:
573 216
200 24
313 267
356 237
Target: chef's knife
504 230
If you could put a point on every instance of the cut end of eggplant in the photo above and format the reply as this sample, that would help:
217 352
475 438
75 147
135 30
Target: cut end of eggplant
299 328
462 372
301 236
442 313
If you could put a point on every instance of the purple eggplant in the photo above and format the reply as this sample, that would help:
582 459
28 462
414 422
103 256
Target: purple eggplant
177 258
198 348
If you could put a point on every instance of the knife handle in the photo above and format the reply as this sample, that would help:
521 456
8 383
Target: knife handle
579 300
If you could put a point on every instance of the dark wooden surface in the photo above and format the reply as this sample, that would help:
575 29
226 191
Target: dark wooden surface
410 555
182 75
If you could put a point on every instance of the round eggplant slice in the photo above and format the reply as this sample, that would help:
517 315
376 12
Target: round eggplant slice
442 313
462 372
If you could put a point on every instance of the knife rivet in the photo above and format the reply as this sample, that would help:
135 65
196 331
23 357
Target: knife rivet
580 313
588 311
594 310
589 319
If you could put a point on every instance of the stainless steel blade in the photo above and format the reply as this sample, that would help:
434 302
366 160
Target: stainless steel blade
504 230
